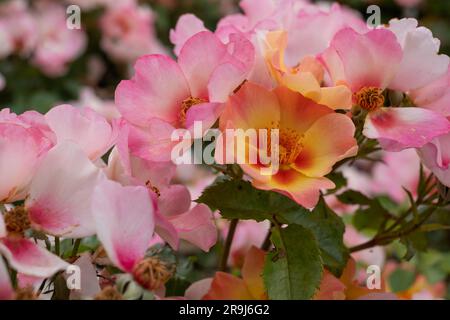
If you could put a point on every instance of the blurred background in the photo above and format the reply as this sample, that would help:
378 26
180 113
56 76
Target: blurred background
43 64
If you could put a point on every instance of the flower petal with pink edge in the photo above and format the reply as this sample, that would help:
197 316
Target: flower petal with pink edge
187 25
125 222
83 126
331 288
434 96
198 289
154 142
370 59
213 69
402 128
174 200
436 157
6 289
27 257
327 141
300 188
61 191
197 227
166 230
20 148
2 227
157 90
207 113
421 63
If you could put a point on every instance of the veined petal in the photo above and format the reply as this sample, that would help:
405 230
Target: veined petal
157 90
327 141
27 257
61 191
83 126
125 221
401 128
298 112
252 107
197 227
302 189
370 59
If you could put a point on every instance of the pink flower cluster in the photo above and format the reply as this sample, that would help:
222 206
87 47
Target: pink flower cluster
41 34
78 172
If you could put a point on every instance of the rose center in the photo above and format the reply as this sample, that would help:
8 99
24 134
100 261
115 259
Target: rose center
17 221
370 98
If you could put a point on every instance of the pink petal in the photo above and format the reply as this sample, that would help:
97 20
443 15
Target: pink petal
27 257
401 128
2 227
187 25
174 200
198 290
197 227
369 59
6 289
421 63
60 193
436 157
20 149
125 222
207 113
166 230
89 280
434 96
206 61
154 142
156 91
83 126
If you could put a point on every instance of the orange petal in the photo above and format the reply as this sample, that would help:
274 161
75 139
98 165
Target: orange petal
329 140
302 189
227 287
252 272
297 112
251 107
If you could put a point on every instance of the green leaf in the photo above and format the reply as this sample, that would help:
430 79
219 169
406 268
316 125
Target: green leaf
401 280
328 229
236 199
371 218
339 180
354 197
293 271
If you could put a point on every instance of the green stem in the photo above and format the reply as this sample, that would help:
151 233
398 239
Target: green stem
76 246
57 246
227 245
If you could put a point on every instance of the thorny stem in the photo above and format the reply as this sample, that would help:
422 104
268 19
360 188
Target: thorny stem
227 245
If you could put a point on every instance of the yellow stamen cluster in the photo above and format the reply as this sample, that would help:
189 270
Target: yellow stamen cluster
370 98
151 273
